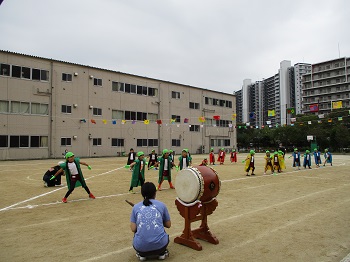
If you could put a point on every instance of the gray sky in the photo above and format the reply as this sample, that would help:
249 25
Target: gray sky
211 44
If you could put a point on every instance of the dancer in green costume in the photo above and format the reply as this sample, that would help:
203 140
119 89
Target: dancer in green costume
138 173
74 175
165 169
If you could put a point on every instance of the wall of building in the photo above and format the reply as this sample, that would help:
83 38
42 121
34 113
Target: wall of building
87 101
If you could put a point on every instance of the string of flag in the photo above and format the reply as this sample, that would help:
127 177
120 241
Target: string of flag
186 120
322 118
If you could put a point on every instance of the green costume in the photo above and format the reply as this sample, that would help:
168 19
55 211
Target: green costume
64 166
138 170
161 160
188 160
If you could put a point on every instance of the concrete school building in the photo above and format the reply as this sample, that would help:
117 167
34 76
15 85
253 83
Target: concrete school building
48 106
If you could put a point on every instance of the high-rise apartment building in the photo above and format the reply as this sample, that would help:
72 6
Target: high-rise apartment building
327 86
299 70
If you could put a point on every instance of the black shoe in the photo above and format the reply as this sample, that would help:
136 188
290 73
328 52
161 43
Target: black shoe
253 174
247 175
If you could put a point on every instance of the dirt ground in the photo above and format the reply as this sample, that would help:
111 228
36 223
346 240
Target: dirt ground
293 216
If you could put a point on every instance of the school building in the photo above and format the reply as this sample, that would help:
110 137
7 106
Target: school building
48 106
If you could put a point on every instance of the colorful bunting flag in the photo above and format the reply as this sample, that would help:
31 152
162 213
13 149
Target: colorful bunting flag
330 120
321 116
309 122
201 119
319 121
235 115
172 121
93 121
314 108
104 121
340 118
83 120
123 122
271 112
291 110
177 125
159 122
114 122
216 117
247 124
293 119
133 122
146 122
251 115
229 125
186 120
268 122
201 126
337 104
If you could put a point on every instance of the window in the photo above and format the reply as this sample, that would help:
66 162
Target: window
152 117
227 142
175 142
16 71
39 109
20 107
117 114
97 111
66 77
194 105
152 91
153 142
194 128
35 74
117 142
215 102
66 141
177 118
66 109
229 104
127 88
141 142
222 103
142 90
25 72
116 86
97 82
19 141
141 116
4 141
133 89
5 70
39 141
147 142
175 95
4 106
97 141
44 75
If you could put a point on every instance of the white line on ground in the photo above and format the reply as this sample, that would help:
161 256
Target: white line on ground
346 259
52 191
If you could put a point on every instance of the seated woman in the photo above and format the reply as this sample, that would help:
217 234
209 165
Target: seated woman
148 219
48 175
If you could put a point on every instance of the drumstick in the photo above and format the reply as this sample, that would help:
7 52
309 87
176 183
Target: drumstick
130 203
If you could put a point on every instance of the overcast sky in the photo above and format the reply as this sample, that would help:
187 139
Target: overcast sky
213 44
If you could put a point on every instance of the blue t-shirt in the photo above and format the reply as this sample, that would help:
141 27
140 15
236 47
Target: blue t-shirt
150 234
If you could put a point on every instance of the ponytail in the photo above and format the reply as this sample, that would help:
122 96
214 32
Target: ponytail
148 191
147 202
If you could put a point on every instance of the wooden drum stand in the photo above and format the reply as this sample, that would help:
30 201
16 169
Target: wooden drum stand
195 212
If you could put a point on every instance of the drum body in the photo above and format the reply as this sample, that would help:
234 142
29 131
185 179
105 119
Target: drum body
197 183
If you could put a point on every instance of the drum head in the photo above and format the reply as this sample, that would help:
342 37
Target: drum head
189 185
